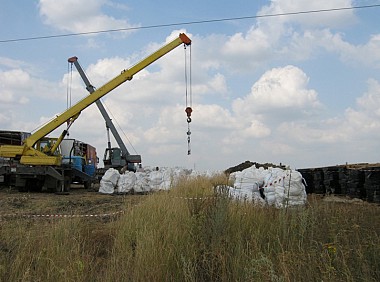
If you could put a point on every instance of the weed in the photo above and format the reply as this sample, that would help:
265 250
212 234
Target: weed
190 233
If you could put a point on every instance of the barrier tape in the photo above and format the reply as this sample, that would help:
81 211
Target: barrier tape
275 182
14 215
61 216
195 198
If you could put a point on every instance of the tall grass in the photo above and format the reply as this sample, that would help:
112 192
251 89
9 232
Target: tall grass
191 234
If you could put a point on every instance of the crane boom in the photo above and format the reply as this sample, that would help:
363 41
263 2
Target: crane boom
109 124
29 155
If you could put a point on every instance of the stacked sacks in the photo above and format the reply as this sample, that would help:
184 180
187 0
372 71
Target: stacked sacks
280 188
295 192
140 182
109 181
155 180
112 181
167 179
247 184
126 182
245 195
250 178
284 188
164 178
171 176
274 186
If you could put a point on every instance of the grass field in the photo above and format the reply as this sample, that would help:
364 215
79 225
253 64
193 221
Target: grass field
188 234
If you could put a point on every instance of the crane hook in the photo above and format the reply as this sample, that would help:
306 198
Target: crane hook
188 111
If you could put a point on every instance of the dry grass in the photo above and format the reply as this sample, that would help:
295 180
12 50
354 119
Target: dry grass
188 234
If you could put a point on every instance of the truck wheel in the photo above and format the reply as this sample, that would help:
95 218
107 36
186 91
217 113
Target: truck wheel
34 185
87 185
67 184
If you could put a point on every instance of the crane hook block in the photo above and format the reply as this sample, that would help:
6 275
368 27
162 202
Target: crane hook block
188 111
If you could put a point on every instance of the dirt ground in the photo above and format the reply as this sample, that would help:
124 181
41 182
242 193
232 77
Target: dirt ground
79 202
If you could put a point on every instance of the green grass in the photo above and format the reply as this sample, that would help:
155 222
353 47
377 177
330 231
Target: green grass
206 238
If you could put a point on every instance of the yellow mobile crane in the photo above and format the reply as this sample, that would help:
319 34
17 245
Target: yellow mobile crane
34 165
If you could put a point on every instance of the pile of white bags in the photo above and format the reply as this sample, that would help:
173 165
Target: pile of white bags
109 181
281 188
151 179
142 183
285 188
126 182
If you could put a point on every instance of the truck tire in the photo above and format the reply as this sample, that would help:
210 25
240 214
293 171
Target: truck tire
34 185
67 184
87 185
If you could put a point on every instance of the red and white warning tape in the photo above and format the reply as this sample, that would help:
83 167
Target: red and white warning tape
195 198
16 215
56 216
275 182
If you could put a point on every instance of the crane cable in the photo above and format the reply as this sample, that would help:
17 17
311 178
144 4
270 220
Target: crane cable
69 85
189 98
113 117
68 91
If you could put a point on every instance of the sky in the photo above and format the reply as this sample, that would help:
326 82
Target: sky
301 89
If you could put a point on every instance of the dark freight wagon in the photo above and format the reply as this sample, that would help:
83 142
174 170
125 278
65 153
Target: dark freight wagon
353 180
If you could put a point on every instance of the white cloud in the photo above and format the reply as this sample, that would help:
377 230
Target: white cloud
279 89
304 35
79 16
365 120
333 18
11 63
276 104
311 133
15 77
6 97
15 83
218 83
4 118
360 124
310 42
167 128
249 50
105 69
367 54
256 129
295 37
370 101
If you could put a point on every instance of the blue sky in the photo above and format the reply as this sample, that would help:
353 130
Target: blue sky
303 90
